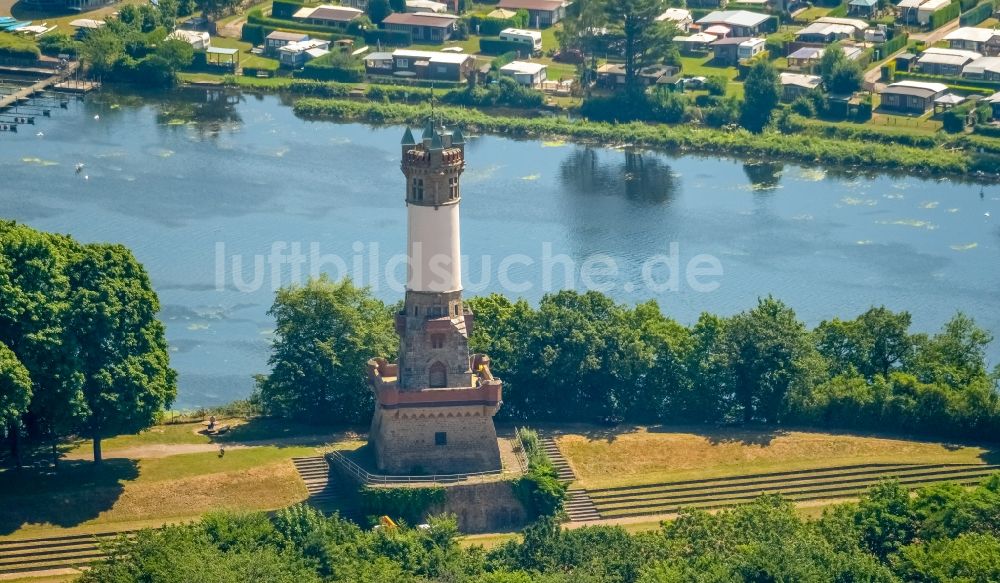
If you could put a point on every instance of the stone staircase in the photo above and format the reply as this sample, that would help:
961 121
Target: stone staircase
563 469
40 555
327 491
579 507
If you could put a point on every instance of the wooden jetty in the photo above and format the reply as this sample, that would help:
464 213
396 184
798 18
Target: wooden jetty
60 81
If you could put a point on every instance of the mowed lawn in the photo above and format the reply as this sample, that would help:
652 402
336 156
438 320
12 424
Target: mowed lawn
170 473
604 459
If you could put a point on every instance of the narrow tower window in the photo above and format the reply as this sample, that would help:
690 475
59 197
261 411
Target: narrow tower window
437 340
418 189
438 376
453 188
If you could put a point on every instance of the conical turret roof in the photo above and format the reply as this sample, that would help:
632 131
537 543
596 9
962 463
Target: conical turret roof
408 138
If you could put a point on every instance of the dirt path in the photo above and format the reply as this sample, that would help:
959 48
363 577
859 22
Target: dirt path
158 450
231 29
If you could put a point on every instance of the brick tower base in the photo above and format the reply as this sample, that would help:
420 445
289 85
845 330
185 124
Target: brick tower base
434 431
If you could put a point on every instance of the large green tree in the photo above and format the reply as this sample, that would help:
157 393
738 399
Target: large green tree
34 297
761 95
876 342
840 74
645 41
117 344
378 10
769 354
325 333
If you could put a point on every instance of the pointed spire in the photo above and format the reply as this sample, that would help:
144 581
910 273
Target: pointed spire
408 138
457 138
436 143
428 130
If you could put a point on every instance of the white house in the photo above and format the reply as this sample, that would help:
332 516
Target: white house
981 40
939 61
742 23
426 6
987 68
680 17
525 73
296 54
200 40
930 7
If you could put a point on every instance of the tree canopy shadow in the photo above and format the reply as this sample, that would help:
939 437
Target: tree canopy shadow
278 432
759 435
73 493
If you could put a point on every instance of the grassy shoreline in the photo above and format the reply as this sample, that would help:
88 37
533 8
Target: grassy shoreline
806 149
830 145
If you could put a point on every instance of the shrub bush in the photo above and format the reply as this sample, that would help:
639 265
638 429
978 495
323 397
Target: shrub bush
58 43
492 26
804 106
334 67
253 33
968 4
539 490
408 504
318 88
717 84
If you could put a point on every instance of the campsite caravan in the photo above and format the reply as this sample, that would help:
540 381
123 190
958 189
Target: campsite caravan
532 38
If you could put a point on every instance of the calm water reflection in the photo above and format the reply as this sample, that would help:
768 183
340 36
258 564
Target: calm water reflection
172 178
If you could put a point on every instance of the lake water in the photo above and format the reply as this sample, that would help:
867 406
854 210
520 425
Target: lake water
183 181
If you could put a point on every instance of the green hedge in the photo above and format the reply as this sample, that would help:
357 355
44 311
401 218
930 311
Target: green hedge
989 131
252 71
945 15
489 26
967 4
393 38
253 33
317 69
892 45
285 8
329 32
496 46
407 504
976 15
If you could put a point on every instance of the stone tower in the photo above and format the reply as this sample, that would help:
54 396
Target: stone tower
434 408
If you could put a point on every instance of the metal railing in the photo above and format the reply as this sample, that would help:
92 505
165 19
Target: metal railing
366 477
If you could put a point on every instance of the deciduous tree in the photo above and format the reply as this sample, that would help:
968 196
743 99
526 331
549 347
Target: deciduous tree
761 96
117 344
325 333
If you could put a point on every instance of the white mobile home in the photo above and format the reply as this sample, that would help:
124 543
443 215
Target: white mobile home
532 38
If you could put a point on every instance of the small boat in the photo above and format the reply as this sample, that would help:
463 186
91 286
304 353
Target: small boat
16 25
